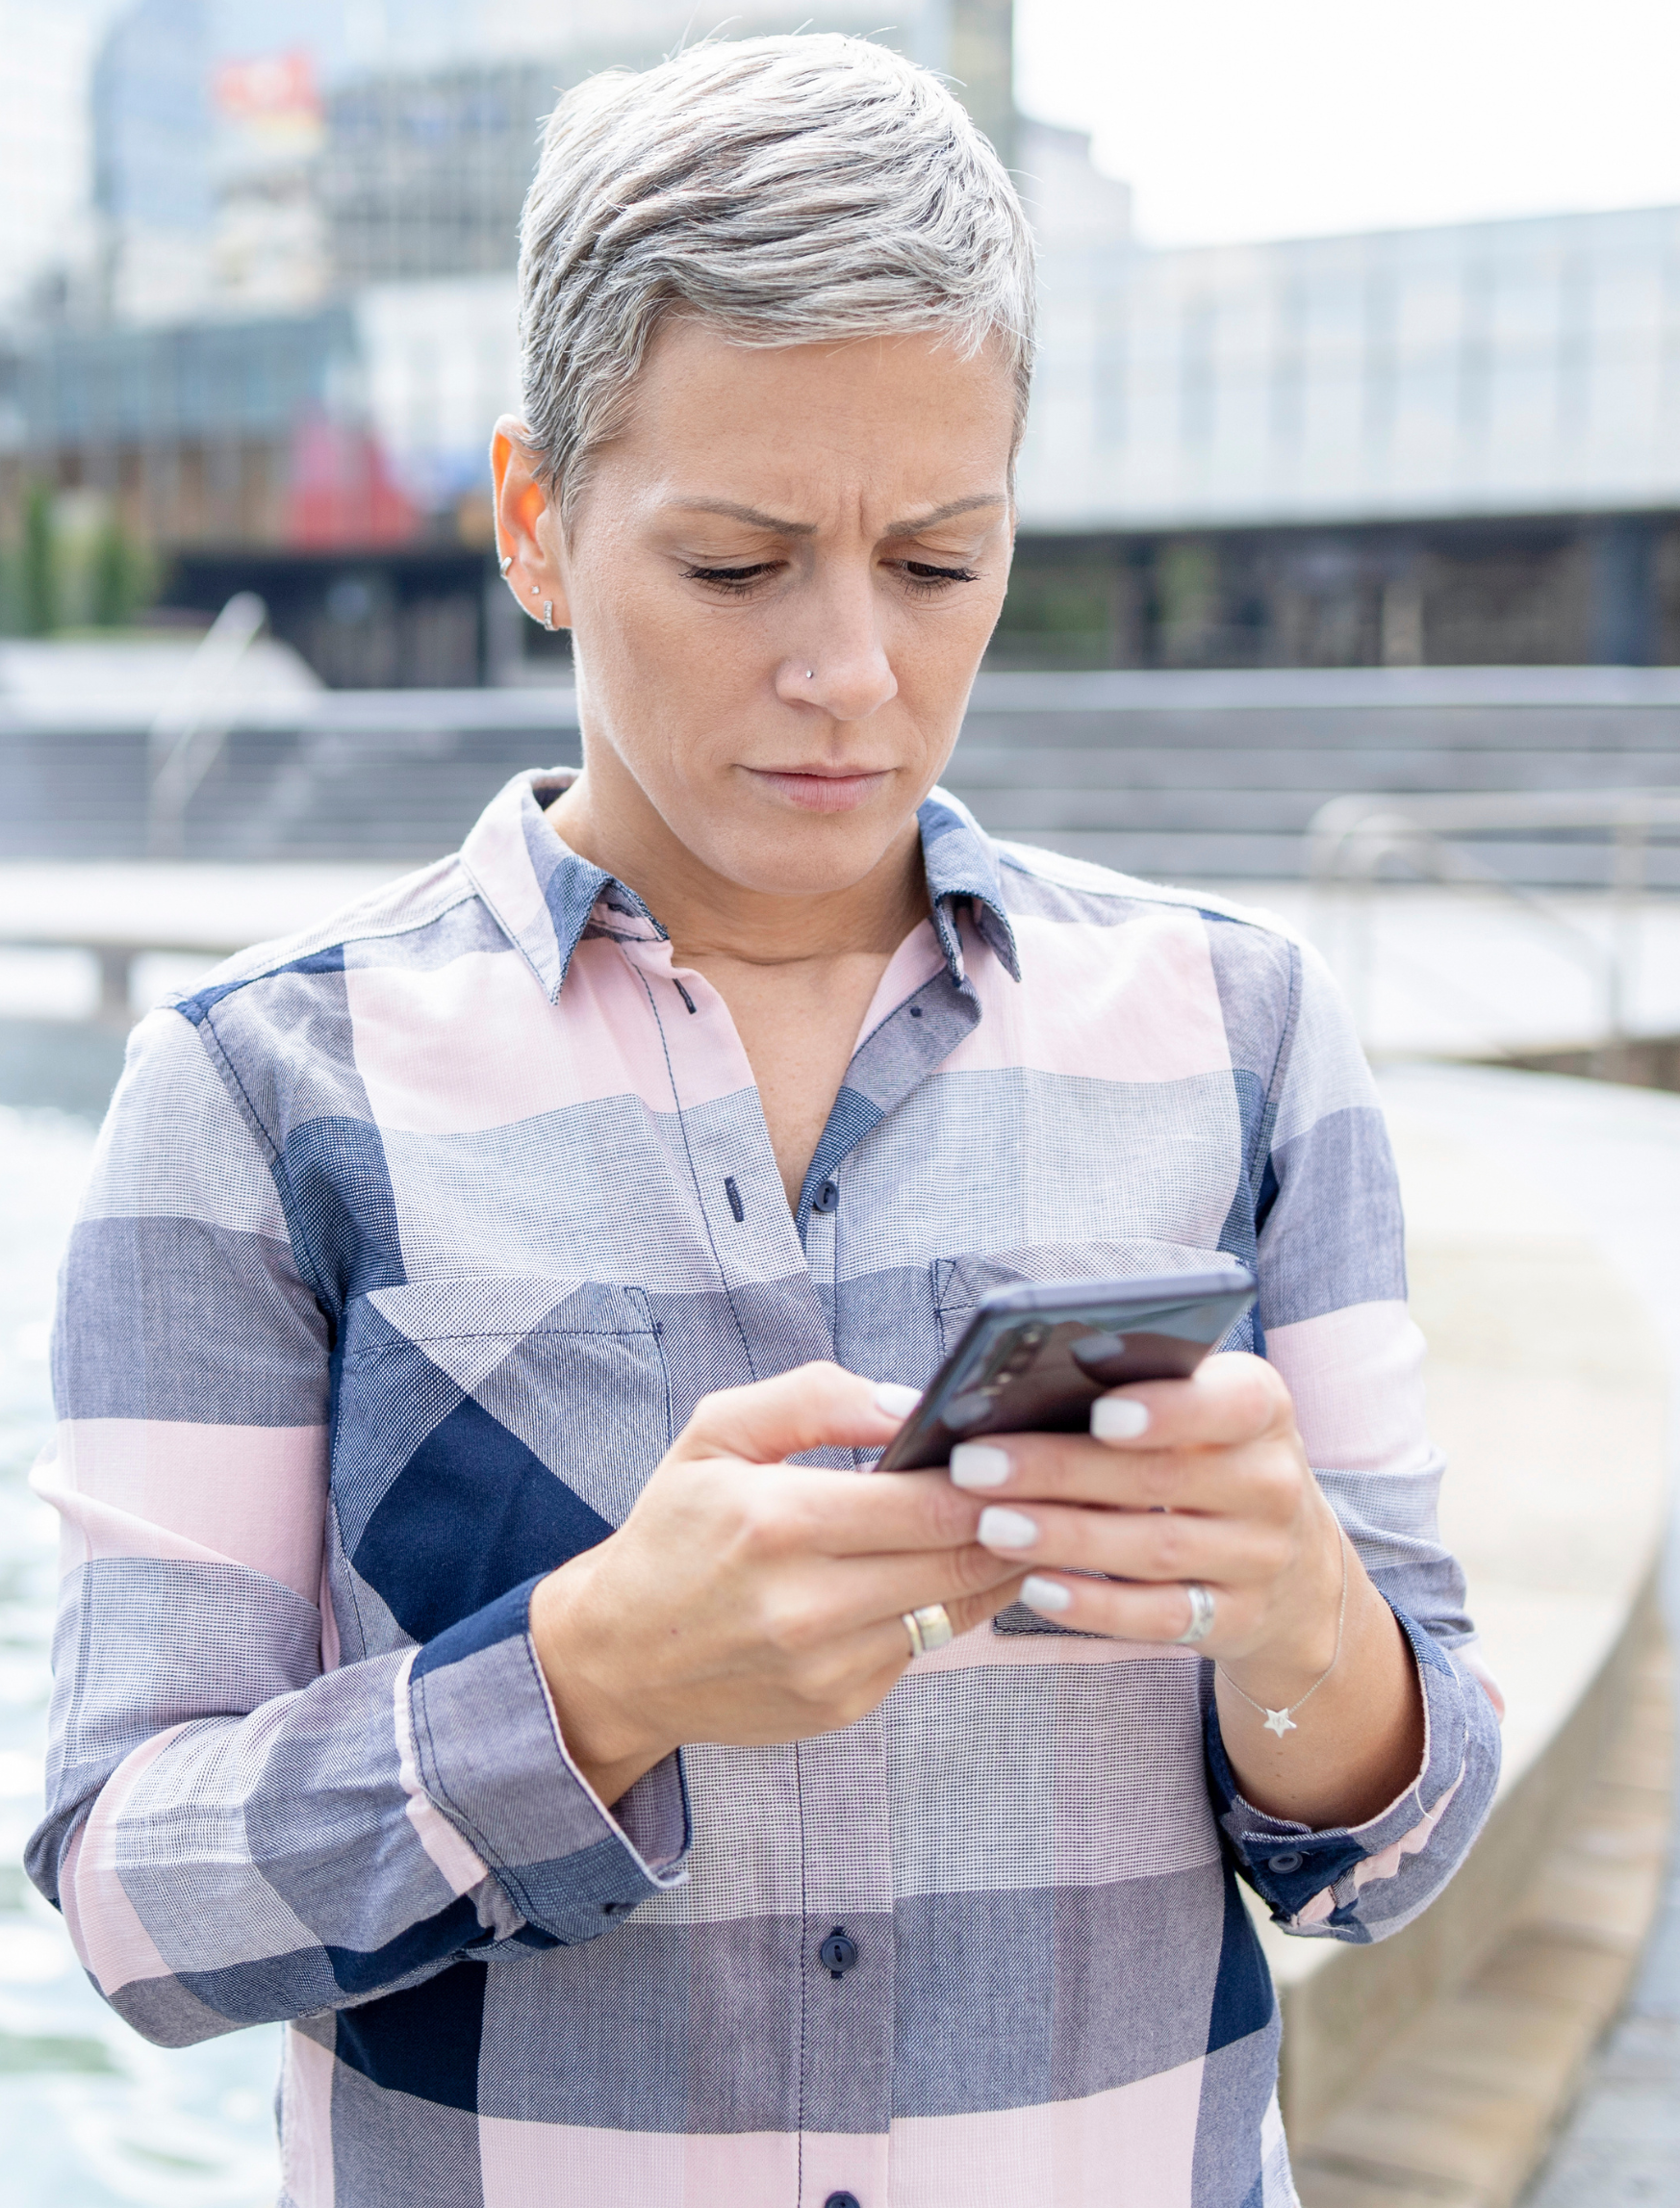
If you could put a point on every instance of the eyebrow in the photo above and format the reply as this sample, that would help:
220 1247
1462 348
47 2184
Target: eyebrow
751 515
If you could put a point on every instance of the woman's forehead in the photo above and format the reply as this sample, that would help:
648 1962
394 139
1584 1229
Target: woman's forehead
765 436
977 508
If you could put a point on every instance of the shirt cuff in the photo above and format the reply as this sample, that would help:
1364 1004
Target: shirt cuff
490 1756
1312 1879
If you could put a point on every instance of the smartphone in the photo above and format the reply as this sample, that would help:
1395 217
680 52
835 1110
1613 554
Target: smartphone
1034 1359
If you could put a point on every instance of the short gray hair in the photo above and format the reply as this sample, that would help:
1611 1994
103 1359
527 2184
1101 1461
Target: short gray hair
792 191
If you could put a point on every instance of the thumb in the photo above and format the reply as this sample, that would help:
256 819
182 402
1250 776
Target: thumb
813 1406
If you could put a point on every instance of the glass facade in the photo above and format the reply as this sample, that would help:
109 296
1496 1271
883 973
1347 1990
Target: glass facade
1495 368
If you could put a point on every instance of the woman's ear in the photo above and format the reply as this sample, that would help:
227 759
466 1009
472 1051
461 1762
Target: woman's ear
528 529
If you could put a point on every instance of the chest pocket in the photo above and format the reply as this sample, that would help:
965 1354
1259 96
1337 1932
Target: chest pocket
959 1283
487 1429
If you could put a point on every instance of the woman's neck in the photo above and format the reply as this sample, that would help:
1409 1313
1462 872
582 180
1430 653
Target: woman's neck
606 819
796 973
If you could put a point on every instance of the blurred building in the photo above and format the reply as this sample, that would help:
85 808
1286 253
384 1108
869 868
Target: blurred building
263 155
281 325
1435 445
44 145
294 328
424 175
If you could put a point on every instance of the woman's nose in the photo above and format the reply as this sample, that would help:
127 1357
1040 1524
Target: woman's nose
842 666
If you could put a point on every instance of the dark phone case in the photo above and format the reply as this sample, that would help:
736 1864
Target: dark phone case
1034 1359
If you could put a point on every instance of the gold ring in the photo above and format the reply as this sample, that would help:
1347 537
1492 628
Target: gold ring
928 1628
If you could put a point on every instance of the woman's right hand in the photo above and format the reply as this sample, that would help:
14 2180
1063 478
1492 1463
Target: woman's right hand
748 1600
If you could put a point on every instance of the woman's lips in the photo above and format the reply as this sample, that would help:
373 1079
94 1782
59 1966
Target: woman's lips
821 793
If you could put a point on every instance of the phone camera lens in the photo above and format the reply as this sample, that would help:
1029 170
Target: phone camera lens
965 1410
1099 1349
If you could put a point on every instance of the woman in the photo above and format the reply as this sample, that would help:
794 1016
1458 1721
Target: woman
478 1648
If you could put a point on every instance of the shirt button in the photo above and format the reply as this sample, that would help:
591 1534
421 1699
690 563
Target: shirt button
842 2200
826 1197
837 1953
1284 1863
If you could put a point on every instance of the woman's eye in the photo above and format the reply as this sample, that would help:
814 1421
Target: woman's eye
924 577
928 578
730 579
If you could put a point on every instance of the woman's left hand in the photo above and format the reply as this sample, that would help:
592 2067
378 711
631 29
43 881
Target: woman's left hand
1205 1481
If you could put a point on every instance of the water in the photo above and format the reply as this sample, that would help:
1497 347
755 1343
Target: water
90 2114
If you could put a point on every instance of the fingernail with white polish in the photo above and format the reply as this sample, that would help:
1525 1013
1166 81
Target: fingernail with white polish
978 1464
1000 1529
1118 1419
1047 1596
897 1401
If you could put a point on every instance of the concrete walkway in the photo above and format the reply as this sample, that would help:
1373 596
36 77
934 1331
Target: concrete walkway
1620 2147
1613 1159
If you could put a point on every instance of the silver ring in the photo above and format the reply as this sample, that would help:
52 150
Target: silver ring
1201 1623
503 564
928 1628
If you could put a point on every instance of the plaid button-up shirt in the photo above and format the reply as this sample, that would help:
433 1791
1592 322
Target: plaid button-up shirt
409 1247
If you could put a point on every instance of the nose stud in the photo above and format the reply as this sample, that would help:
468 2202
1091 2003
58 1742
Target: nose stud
810 674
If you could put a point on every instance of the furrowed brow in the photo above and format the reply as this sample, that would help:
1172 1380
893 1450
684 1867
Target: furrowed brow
750 514
777 526
975 505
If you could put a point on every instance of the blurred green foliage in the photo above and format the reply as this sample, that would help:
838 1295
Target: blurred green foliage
71 564
1056 615
1187 591
119 576
38 579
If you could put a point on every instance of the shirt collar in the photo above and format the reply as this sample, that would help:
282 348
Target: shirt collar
961 862
545 897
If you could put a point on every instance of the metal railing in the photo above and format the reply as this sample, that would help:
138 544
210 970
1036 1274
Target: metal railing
186 739
1359 842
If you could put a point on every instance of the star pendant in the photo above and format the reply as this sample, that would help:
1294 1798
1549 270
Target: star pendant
1279 1722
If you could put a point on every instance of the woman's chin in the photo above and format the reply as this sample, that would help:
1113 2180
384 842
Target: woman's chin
818 856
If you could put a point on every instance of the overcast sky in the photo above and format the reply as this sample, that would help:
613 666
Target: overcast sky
1275 118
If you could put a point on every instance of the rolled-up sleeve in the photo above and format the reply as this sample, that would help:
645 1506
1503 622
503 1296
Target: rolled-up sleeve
237 1831
1363 1881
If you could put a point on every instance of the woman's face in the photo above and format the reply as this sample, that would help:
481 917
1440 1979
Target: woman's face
780 580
